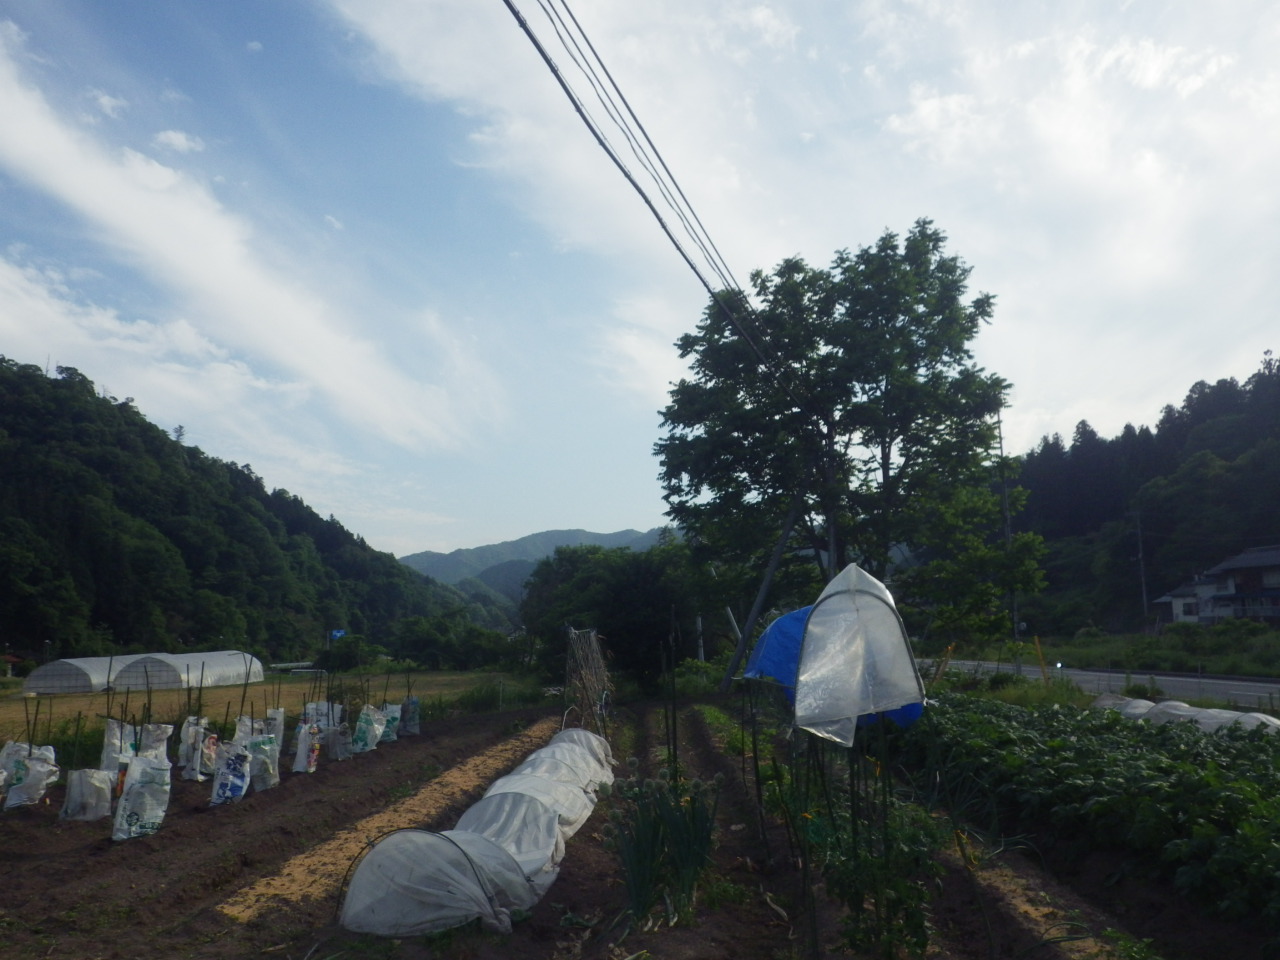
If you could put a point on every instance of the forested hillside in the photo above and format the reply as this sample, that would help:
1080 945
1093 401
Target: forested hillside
1153 506
518 556
115 536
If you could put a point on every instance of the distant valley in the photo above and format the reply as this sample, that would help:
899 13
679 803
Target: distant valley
504 567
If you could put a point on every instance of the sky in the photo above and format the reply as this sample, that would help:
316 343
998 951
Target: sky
369 248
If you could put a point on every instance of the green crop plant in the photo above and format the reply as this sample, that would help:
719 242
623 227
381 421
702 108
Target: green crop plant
662 831
1202 809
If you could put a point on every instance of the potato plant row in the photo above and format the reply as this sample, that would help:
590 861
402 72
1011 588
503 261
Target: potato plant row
1202 808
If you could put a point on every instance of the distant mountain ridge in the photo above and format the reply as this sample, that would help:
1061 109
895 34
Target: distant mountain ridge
505 566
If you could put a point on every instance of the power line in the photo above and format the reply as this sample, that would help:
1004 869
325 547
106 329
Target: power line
654 165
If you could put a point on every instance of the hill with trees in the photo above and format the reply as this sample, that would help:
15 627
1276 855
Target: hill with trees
504 567
1129 518
116 536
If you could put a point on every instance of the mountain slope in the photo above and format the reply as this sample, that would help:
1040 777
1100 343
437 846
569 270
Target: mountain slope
115 536
475 561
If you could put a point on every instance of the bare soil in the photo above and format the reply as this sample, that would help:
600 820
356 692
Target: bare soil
262 878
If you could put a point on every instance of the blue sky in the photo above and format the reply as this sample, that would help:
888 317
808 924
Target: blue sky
369 248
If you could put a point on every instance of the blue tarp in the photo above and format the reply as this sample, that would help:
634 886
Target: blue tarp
777 652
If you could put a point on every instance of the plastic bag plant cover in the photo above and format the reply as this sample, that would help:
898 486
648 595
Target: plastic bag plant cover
119 743
189 741
29 776
390 732
338 742
88 795
409 717
414 882
369 727
144 800
264 762
853 663
153 741
306 756
231 781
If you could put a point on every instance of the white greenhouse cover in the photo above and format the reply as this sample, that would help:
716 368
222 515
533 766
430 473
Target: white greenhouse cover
502 857
523 826
177 671
76 674
855 659
414 882
1208 719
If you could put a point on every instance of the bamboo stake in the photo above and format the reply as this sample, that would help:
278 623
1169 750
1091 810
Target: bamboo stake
75 744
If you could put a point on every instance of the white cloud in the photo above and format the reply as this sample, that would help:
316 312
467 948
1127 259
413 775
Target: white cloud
254 46
178 141
108 104
166 225
333 222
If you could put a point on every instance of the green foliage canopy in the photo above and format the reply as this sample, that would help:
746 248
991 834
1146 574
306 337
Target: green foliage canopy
851 393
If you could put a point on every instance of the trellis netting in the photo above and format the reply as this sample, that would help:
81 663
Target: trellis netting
1208 719
845 661
502 856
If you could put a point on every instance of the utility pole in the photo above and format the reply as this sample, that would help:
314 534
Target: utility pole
1142 569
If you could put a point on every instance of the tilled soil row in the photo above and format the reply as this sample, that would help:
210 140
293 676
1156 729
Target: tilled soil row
70 892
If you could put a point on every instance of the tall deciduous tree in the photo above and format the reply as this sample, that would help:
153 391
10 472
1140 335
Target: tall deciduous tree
850 391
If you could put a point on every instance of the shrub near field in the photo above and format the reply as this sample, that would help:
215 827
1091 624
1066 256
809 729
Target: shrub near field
1202 808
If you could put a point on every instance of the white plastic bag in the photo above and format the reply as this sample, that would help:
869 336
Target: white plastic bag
88 795
209 756
189 740
274 726
338 741
264 762
392 712
30 776
153 741
144 799
409 713
231 782
247 728
369 727
190 747
307 755
119 743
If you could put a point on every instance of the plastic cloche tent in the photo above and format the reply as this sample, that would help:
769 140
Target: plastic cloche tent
844 661
502 856
177 671
1208 719
76 675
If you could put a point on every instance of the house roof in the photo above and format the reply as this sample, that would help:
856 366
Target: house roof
1249 560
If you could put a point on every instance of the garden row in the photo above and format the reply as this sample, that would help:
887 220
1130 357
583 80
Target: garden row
1201 809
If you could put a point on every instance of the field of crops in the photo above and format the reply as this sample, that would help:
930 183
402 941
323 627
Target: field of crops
1200 810
902 846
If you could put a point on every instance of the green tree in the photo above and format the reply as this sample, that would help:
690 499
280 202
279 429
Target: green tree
852 406
640 602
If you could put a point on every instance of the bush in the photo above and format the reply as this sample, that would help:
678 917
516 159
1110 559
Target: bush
699 678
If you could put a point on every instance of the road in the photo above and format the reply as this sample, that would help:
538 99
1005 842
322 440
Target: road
1239 692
